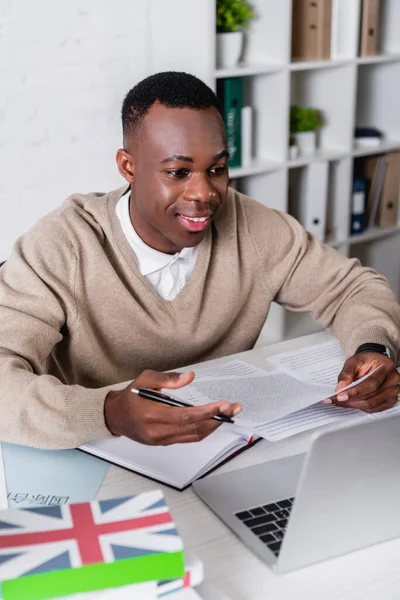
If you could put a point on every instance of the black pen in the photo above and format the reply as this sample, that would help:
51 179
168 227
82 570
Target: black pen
164 399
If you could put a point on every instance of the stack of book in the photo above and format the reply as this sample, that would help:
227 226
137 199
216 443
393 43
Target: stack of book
376 186
318 29
56 551
368 137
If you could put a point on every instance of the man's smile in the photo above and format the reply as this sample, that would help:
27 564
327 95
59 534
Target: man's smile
195 223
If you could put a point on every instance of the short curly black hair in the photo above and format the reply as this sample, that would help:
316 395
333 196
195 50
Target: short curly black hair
173 89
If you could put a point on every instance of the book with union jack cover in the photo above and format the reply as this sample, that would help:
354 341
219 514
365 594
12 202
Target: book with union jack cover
61 550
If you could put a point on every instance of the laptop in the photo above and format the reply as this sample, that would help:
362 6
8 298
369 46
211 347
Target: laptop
342 495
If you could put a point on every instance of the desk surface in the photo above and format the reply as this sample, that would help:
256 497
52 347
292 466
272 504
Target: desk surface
370 574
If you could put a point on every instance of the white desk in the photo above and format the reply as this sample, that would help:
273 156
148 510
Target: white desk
368 574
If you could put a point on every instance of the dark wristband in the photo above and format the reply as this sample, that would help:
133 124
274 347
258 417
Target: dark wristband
371 347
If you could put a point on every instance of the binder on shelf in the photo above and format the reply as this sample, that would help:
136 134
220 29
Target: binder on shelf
335 30
374 168
358 206
247 135
313 198
369 31
230 94
389 201
311 29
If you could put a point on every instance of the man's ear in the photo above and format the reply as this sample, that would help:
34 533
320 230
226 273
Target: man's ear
126 165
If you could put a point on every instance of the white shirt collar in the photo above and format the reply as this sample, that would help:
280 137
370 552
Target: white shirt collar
149 259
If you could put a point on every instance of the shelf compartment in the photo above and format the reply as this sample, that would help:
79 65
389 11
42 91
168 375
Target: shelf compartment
268 38
264 93
377 100
319 88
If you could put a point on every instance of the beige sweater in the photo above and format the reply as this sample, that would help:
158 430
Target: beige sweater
76 315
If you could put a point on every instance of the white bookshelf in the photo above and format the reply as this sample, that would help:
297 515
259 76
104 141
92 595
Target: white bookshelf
349 90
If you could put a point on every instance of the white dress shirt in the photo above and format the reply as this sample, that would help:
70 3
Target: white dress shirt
168 273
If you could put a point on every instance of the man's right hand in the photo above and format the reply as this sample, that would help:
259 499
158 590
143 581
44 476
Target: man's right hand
153 423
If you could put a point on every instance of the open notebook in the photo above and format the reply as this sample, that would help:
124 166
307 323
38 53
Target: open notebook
177 465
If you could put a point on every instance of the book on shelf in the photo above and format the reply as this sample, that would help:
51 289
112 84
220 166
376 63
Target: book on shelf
308 200
389 202
338 34
374 170
311 29
358 206
369 29
382 173
54 551
230 95
247 135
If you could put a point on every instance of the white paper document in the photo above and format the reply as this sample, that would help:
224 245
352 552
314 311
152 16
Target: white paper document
320 363
282 400
264 395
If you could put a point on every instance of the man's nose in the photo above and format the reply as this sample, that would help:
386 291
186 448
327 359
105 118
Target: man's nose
200 188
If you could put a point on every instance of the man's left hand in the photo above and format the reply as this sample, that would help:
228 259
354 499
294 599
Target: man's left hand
377 393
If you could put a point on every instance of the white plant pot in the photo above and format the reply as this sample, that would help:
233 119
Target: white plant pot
229 49
306 142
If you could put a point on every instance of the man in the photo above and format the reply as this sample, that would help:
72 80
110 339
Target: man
172 269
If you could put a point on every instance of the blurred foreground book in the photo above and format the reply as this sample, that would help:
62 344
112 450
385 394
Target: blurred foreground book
56 551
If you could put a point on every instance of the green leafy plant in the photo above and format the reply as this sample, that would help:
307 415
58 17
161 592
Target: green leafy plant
303 118
233 15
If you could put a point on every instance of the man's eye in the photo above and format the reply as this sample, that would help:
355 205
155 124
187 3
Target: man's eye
218 171
178 173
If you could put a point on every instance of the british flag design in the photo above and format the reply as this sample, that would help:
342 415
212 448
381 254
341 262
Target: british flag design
53 538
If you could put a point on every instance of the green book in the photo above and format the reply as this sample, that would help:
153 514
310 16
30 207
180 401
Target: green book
230 94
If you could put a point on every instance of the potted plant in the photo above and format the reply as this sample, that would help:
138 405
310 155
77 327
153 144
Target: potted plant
233 17
304 123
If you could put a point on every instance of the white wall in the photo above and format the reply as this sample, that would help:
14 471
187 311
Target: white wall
65 66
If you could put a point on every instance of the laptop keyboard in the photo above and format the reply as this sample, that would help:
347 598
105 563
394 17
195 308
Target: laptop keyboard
268 522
